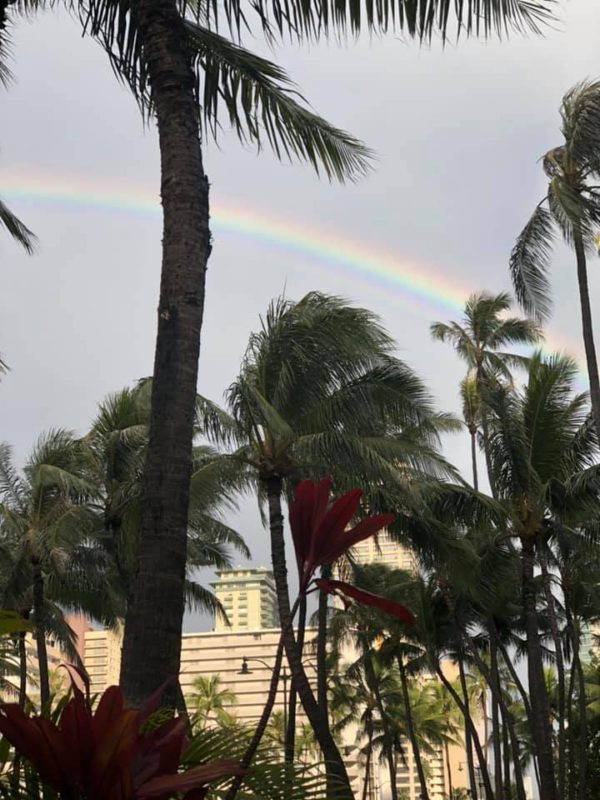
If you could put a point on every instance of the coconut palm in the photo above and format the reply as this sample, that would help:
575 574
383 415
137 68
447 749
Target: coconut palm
543 453
117 443
481 339
571 206
320 392
171 53
45 519
209 701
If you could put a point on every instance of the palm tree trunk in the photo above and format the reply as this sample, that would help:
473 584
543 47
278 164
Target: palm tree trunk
464 708
262 723
290 733
473 434
572 759
157 601
367 782
322 645
468 735
412 735
388 744
560 672
336 770
581 702
496 736
516 680
448 769
22 669
540 727
506 754
588 330
40 634
507 720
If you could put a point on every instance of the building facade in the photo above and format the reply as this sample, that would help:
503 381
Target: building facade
248 597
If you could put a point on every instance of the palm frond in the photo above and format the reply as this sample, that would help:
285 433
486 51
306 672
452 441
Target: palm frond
263 105
17 229
529 264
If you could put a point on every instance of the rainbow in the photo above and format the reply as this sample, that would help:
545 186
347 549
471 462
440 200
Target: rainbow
421 285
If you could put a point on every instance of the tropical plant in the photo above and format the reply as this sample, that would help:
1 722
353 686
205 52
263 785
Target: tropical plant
45 520
111 753
171 54
543 453
117 444
320 392
571 205
480 340
209 700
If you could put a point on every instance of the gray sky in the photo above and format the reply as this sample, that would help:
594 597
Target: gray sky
457 133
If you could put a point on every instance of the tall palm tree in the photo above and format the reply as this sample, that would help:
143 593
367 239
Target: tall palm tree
571 205
320 392
543 453
480 339
117 444
169 57
45 515
210 699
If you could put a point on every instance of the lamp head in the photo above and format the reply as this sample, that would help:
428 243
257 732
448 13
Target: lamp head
245 670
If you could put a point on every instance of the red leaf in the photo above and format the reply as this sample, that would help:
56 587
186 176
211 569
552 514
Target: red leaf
367 599
26 737
363 530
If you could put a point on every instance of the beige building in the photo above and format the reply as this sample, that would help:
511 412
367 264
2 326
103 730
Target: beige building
248 597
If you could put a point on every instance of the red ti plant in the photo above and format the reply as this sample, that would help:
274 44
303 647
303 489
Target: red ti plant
107 754
321 535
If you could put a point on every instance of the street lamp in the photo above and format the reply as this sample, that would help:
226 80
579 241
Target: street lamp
245 670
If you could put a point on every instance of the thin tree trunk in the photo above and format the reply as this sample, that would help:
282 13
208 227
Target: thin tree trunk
496 736
489 792
473 434
410 729
448 769
468 736
336 770
322 645
517 681
581 703
40 633
290 733
367 782
508 722
572 770
540 728
506 760
588 330
262 723
560 673
388 744
22 669
157 598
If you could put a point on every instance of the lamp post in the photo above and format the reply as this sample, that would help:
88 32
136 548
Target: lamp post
245 670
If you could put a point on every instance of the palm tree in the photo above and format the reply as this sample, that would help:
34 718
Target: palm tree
320 392
571 205
117 444
178 64
209 700
45 518
543 454
480 340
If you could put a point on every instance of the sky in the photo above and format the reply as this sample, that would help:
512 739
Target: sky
457 133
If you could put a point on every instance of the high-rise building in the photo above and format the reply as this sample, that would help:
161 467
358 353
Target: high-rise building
384 550
248 597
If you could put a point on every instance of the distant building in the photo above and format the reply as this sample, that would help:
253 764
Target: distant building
384 550
248 597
